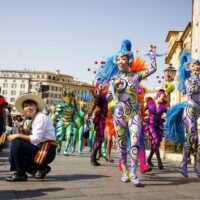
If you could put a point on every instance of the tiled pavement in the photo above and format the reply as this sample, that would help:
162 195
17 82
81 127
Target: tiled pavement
74 178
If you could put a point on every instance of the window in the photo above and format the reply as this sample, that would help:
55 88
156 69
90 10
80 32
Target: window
5 80
5 85
22 81
14 80
12 99
22 85
49 77
4 92
21 92
14 85
13 92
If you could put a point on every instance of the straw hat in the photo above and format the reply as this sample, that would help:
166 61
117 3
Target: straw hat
29 96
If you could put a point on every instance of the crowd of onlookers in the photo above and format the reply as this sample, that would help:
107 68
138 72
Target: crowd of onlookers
10 124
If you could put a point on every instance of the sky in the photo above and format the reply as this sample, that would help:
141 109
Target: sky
70 35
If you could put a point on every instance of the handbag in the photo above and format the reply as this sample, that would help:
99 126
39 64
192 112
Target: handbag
3 139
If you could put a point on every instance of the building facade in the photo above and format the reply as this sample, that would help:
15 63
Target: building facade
13 83
195 29
177 42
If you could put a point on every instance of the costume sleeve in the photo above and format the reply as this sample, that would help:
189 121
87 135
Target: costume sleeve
146 73
112 92
192 86
59 111
96 100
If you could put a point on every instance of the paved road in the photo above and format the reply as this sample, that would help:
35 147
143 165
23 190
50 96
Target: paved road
74 178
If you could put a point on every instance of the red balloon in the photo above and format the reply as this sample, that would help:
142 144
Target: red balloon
157 76
96 62
159 81
88 69
103 62
163 77
94 72
101 66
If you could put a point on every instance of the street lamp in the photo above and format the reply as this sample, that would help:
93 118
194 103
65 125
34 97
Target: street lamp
169 73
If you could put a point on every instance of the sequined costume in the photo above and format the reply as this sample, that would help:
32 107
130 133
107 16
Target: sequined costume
101 103
183 119
64 121
154 125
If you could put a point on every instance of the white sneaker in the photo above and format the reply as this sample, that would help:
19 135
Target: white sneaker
133 177
136 181
125 177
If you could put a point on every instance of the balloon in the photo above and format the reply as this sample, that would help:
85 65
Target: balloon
103 62
157 76
101 66
168 87
163 77
96 62
94 72
88 69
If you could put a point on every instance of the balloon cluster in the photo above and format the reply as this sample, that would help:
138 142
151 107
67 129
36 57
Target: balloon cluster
160 79
99 64
168 87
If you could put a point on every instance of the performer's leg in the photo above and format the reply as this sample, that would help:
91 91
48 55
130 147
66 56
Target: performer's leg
197 156
81 130
108 149
135 131
68 138
73 146
160 165
98 140
143 167
60 137
149 160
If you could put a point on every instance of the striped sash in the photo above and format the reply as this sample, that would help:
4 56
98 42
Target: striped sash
43 151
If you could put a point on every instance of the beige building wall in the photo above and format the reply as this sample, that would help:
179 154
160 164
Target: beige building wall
177 42
196 29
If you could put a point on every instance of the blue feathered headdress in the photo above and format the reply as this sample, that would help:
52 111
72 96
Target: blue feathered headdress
85 97
174 130
107 72
125 50
110 68
183 70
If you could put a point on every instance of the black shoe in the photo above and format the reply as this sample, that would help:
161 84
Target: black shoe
150 163
95 163
109 160
32 173
160 166
42 172
17 177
